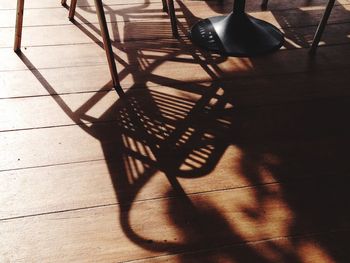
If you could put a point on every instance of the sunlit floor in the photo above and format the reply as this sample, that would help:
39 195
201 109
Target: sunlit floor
208 159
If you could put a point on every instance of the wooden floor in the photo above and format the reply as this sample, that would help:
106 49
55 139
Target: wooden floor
210 159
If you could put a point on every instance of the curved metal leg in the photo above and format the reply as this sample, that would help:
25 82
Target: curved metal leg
72 7
19 25
104 33
171 11
321 27
108 47
165 6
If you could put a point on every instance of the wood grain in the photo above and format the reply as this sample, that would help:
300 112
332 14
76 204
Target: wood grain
158 227
210 159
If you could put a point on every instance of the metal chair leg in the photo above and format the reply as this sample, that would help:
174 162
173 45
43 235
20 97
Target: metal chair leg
321 27
264 4
165 6
19 25
72 7
108 47
172 15
64 2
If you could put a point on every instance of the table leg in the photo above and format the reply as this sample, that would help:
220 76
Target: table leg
19 25
108 47
236 34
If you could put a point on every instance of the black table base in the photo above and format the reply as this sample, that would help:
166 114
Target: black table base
237 34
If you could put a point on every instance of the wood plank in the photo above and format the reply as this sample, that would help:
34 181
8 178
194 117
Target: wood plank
50 189
310 248
17 114
27 84
90 184
174 62
82 142
56 142
298 131
58 16
44 4
250 5
131 31
50 81
161 227
293 131
189 13
82 34
299 158
97 183
261 153
54 111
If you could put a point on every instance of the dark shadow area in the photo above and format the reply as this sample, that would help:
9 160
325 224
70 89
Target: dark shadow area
294 157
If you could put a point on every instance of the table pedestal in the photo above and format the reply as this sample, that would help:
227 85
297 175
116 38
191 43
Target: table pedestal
236 34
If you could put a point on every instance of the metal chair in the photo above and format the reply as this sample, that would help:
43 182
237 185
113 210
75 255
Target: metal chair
321 25
104 33
168 7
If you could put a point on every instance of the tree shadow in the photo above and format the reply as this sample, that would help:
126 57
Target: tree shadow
304 148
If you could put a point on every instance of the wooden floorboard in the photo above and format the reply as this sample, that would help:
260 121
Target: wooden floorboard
88 107
157 227
165 66
208 159
79 33
250 5
273 250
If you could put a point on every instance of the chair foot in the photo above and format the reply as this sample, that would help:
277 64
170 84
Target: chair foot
264 4
165 6
176 34
19 25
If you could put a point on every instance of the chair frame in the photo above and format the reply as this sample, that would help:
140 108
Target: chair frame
104 33
168 7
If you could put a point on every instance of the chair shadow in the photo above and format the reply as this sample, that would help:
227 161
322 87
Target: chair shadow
296 147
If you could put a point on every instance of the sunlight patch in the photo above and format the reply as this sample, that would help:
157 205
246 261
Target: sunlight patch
312 252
